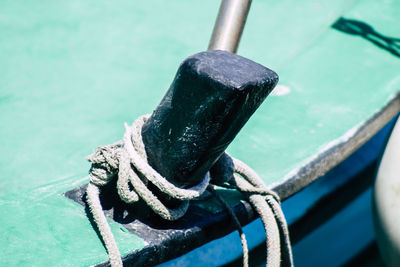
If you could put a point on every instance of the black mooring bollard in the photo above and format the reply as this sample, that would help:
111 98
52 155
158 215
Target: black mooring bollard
213 95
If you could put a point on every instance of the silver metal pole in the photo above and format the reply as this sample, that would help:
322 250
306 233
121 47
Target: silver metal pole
229 26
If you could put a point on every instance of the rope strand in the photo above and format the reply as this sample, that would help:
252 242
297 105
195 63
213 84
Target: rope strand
92 197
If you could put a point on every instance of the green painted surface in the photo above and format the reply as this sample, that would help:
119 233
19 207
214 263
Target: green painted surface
71 72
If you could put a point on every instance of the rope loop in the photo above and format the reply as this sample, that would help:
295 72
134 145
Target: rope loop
126 160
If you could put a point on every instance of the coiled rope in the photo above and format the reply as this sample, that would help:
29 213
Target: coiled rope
128 160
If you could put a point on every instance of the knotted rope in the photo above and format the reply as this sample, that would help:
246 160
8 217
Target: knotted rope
128 160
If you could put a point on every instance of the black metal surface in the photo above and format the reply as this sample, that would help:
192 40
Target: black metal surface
213 95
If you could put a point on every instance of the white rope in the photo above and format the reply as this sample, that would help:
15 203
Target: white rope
266 204
104 229
128 160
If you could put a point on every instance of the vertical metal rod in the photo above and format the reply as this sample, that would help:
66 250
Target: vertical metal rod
229 26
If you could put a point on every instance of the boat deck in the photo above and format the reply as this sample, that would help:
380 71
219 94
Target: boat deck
72 72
